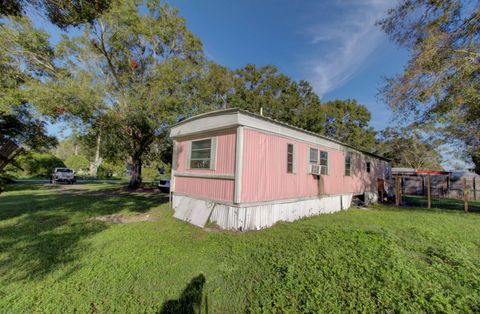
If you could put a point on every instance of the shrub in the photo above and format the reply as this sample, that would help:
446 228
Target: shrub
39 165
109 169
78 163
151 173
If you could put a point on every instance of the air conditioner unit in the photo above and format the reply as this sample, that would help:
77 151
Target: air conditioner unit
315 169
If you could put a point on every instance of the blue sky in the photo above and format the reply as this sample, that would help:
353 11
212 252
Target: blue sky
333 44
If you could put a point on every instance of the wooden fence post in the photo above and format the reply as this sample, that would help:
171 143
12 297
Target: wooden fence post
397 191
448 186
429 193
423 185
465 195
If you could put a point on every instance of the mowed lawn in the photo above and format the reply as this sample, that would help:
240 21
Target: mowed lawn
55 258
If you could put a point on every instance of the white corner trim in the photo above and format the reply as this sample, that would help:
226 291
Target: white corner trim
213 153
223 176
238 165
174 166
189 154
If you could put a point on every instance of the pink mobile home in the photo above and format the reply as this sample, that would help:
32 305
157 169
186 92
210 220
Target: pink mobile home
244 171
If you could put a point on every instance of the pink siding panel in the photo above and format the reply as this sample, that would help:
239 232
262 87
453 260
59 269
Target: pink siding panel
225 159
265 174
215 189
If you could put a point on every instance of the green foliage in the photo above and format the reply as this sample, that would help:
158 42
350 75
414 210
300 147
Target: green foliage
251 88
344 120
384 260
25 57
39 165
152 171
441 82
266 88
61 13
145 63
406 147
476 161
22 127
78 163
110 169
72 145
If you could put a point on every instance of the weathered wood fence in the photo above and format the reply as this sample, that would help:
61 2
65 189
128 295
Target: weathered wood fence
441 186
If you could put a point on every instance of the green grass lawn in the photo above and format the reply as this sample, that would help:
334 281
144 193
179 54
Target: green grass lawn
443 203
54 258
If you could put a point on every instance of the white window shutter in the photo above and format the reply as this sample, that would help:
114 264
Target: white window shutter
189 154
175 156
213 153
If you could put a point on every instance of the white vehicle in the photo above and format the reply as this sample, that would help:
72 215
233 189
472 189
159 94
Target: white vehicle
63 175
164 185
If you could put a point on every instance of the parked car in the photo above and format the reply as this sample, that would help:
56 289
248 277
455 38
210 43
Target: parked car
164 185
63 175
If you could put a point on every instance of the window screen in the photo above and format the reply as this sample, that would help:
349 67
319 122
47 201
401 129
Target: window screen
348 164
324 162
200 154
289 158
313 156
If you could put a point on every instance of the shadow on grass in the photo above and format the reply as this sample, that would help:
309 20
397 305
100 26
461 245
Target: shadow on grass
190 301
40 232
448 204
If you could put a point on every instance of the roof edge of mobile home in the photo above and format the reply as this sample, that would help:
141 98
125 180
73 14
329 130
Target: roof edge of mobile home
233 117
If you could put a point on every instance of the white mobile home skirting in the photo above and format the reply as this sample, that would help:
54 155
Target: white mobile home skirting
254 216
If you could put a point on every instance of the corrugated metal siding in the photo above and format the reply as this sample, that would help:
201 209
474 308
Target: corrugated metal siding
265 174
194 211
264 216
215 189
225 159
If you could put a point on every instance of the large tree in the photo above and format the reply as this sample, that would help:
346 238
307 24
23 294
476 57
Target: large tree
148 62
26 57
253 88
409 147
267 88
441 82
344 120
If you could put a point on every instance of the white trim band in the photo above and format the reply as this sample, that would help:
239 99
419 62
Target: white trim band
222 176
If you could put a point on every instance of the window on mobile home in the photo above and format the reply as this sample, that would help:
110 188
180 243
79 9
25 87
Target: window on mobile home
289 158
324 162
200 154
348 164
313 156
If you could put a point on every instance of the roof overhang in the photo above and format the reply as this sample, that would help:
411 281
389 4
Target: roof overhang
231 118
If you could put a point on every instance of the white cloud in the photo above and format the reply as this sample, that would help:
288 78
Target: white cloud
344 41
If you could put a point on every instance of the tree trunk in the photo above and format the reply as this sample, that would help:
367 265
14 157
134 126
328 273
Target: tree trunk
98 160
136 179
